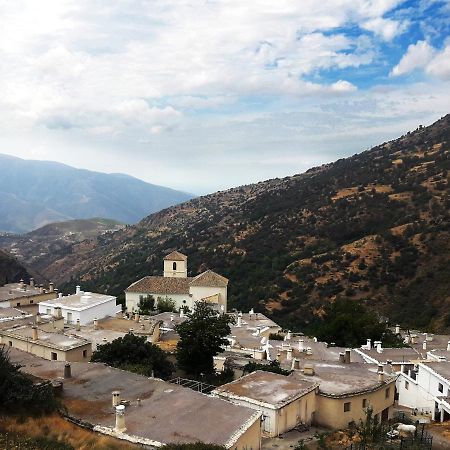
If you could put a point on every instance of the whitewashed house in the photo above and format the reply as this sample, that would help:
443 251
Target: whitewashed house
175 284
427 389
82 306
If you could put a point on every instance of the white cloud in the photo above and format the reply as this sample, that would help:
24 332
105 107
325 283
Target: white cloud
417 56
388 29
423 56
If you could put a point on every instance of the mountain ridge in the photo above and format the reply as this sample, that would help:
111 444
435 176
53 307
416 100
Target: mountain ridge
373 227
34 193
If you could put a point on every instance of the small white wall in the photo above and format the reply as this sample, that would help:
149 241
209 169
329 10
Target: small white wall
199 292
132 300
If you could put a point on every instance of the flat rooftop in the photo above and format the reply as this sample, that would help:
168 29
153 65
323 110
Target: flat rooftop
169 320
79 302
396 355
7 314
442 368
336 379
55 340
167 412
12 291
267 387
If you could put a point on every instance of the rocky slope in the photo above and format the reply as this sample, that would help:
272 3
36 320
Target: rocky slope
35 193
11 271
373 227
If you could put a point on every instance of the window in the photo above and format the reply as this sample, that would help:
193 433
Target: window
364 402
440 387
69 317
31 301
174 266
48 311
84 353
406 385
18 304
10 343
388 392
54 356
347 406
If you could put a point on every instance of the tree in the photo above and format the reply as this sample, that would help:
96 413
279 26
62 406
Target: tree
348 323
165 304
202 336
146 304
135 354
19 394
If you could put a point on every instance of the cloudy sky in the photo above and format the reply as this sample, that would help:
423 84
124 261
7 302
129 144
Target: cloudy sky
204 95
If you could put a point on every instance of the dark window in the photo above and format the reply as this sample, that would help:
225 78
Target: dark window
84 353
10 343
31 301
174 266
347 406
364 402
441 387
388 392
18 304
406 385
54 356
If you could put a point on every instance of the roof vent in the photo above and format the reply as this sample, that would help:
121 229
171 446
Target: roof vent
308 369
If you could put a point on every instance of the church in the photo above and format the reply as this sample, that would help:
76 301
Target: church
183 290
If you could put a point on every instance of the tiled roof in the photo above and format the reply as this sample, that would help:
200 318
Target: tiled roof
210 279
161 285
175 256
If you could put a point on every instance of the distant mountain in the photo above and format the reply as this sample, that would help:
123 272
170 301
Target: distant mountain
374 227
55 238
35 193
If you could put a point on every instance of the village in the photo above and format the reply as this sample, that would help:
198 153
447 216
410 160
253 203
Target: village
282 387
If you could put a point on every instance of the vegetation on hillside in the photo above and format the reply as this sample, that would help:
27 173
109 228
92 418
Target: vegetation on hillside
11 270
135 354
373 227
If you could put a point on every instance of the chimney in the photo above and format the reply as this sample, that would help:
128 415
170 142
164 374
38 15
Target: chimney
172 317
78 328
369 344
181 312
407 339
347 356
51 287
314 339
448 346
116 398
342 357
295 364
58 312
31 282
56 291
278 356
239 320
289 354
95 324
309 351
397 329
379 347
136 317
120 419
34 333
67 370
288 336
41 289
413 338
300 345
38 318
380 373
424 345
21 284
78 290
308 369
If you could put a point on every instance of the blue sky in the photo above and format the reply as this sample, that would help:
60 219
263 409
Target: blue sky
206 95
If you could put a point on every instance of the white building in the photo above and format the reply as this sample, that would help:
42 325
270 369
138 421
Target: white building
175 284
82 306
427 389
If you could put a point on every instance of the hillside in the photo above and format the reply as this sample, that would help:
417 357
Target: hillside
43 243
35 193
11 271
373 227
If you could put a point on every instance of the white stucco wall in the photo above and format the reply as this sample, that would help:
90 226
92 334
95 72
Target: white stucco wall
199 292
132 300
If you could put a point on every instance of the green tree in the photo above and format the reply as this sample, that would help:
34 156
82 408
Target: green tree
18 393
202 336
146 304
135 354
349 324
165 304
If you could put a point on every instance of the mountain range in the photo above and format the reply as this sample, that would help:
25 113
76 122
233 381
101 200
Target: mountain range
35 193
373 227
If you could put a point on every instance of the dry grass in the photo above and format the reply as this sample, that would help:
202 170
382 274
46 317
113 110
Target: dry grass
56 427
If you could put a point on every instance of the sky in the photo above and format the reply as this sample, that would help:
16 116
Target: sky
206 95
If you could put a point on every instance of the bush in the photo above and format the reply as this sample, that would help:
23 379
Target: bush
165 305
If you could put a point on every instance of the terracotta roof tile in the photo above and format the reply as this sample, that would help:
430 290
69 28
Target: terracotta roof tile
175 256
161 285
210 279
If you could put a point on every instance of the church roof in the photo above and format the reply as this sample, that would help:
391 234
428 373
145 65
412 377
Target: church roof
210 279
160 285
175 256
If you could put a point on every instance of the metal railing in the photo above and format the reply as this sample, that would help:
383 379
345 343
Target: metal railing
195 385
